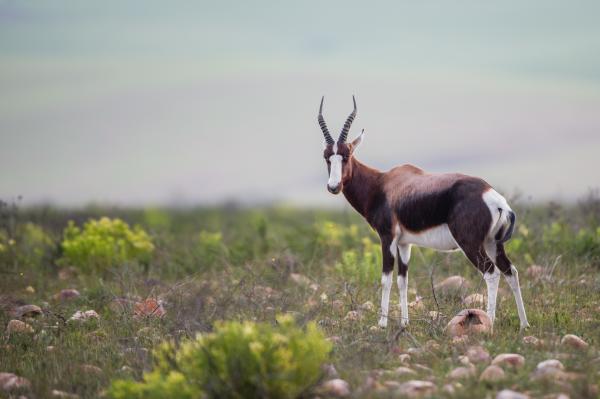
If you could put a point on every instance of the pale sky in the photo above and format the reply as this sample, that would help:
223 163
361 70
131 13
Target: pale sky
150 102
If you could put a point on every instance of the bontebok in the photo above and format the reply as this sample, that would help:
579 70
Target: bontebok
408 206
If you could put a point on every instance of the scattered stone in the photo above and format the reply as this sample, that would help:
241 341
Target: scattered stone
67 273
401 371
10 382
338 305
573 341
416 388
477 354
492 374
417 304
451 388
460 340
550 363
330 371
18 327
300 279
30 290
149 308
26 311
336 387
84 316
535 272
469 321
509 359
450 285
423 368
464 360
461 373
404 358
508 394
352 315
474 300
50 348
91 369
432 345
391 385
64 395
67 294
533 341
367 306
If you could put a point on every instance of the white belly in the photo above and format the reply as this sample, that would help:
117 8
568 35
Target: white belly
438 238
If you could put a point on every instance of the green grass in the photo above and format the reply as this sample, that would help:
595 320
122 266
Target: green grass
235 264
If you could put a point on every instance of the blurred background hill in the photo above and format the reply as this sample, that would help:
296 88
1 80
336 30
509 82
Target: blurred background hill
151 103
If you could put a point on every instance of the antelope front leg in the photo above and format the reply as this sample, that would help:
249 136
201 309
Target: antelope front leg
388 257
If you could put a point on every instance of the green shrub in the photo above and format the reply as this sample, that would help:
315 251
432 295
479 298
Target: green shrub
34 244
103 244
210 249
361 267
237 360
333 236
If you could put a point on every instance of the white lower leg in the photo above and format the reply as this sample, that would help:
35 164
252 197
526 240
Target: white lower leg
513 282
386 288
492 280
403 288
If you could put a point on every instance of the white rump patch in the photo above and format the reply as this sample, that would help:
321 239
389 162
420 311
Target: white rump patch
494 201
438 238
335 174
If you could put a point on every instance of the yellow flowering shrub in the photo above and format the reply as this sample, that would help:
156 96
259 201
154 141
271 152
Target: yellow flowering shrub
362 266
104 243
237 360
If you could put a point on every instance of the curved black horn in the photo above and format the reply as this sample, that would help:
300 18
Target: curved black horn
328 138
346 128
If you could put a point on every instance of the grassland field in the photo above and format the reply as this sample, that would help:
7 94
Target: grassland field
236 263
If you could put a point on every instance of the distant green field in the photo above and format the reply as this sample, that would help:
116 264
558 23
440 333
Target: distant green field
235 264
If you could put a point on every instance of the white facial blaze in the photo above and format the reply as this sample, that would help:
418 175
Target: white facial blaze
335 173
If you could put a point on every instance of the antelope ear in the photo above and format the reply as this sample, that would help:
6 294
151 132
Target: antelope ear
356 142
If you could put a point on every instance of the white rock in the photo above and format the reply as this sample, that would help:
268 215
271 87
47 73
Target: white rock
550 363
508 394
491 374
477 354
416 388
474 300
367 306
18 327
460 373
509 359
83 316
336 387
404 371
11 382
573 341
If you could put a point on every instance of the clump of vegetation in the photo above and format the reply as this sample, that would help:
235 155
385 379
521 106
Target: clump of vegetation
361 267
210 248
334 236
237 360
103 244
34 244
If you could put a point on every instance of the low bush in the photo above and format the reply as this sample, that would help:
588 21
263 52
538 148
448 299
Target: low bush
237 360
361 267
103 244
